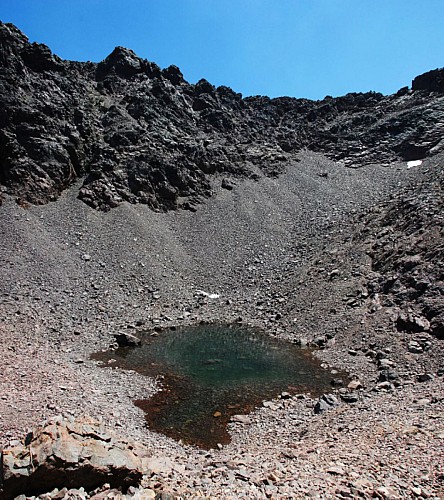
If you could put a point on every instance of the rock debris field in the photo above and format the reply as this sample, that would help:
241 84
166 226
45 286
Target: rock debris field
327 236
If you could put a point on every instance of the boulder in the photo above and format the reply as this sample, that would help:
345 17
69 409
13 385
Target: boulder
124 339
325 403
437 326
173 74
412 323
350 397
73 454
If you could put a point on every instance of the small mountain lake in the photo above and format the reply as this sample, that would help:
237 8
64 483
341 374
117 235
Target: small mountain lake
212 372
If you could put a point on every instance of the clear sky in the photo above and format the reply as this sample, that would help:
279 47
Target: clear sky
300 48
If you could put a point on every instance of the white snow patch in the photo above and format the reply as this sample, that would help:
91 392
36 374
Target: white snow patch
414 163
209 295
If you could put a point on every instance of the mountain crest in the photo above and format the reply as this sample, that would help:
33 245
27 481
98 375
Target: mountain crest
136 133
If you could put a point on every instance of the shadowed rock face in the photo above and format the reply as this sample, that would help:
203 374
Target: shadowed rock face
432 81
137 133
407 250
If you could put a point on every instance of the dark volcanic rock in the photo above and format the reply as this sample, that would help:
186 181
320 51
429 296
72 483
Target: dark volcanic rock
121 62
433 81
407 254
124 339
325 403
137 133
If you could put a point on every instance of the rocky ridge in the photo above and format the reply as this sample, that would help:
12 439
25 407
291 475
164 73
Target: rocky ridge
137 133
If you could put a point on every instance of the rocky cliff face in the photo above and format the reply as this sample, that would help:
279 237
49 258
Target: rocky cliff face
406 246
134 132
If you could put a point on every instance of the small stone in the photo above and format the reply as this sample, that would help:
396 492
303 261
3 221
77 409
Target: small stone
272 477
422 323
337 382
227 184
415 348
363 483
350 397
320 341
388 493
411 323
384 385
354 384
242 419
242 474
387 375
385 363
424 377
217 414
331 399
423 402
326 402
268 404
333 273
86 257
337 471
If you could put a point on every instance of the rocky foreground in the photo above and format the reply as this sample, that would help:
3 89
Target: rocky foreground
303 217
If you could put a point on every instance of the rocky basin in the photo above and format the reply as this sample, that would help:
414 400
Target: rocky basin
134 201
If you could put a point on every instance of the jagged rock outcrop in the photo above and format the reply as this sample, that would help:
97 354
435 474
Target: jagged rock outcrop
432 81
137 133
405 242
72 454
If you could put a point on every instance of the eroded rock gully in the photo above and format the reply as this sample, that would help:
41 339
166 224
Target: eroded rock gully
303 218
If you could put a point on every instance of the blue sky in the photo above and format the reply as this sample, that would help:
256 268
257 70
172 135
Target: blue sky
300 48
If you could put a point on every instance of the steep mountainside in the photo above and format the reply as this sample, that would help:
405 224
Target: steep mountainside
137 133
407 250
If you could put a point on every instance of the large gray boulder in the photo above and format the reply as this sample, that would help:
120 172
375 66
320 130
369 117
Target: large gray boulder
72 454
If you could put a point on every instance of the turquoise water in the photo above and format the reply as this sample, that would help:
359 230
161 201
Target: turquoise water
214 372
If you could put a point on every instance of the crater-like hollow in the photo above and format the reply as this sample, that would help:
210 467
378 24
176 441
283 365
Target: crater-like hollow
209 373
